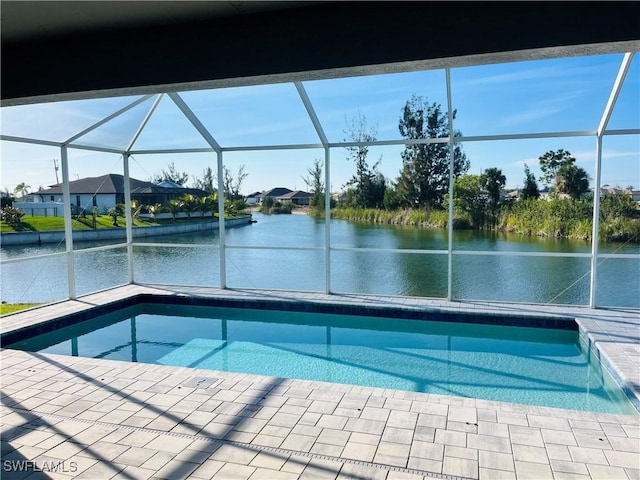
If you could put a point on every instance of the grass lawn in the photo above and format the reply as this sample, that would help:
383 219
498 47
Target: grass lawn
41 224
33 224
7 308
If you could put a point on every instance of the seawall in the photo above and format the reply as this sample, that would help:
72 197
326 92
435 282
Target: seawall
56 236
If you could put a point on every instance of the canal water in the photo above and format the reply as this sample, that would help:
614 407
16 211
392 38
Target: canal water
260 255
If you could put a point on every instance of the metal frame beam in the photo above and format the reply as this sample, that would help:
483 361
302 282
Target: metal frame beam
171 150
127 190
68 228
195 121
128 217
604 121
615 91
311 112
202 130
327 219
221 224
34 141
144 122
97 149
327 181
451 180
108 119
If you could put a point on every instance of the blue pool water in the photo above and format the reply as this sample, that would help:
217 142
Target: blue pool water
511 364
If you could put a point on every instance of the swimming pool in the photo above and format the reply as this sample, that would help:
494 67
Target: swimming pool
532 366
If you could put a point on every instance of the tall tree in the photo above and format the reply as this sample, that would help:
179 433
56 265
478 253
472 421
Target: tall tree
392 200
530 189
315 183
207 182
232 185
367 183
469 198
493 181
572 180
171 174
375 188
551 163
424 178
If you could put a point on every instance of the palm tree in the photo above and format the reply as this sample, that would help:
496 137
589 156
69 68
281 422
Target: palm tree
113 213
572 180
174 207
135 209
189 203
22 189
94 215
493 182
204 205
155 210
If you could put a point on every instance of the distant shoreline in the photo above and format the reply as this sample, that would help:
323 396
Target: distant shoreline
300 211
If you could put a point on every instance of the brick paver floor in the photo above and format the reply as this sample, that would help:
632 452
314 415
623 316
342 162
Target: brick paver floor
71 417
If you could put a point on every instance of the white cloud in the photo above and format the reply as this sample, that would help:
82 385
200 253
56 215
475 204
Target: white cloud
544 109
538 72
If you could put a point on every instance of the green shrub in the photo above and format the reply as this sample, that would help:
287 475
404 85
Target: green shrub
618 206
558 218
270 206
12 216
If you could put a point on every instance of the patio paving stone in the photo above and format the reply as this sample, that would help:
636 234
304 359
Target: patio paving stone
148 421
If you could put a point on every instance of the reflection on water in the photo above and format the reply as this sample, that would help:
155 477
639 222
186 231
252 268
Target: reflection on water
486 277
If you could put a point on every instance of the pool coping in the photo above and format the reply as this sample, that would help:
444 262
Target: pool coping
292 302
472 439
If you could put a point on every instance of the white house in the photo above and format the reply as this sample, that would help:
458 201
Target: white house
107 191
253 198
607 190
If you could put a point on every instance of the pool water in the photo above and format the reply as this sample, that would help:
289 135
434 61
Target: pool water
511 364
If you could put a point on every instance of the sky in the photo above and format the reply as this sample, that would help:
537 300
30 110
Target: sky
566 94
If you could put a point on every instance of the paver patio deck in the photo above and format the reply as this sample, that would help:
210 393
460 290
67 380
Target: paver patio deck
75 417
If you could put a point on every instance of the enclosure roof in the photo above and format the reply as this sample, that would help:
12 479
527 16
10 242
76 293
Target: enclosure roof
312 114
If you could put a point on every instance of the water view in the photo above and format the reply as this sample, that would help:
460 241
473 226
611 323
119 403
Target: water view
253 262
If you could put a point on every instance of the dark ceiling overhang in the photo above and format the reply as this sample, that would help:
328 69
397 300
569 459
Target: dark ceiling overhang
212 44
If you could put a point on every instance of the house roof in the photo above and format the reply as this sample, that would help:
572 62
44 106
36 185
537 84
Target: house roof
276 192
106 184
113 183
296 194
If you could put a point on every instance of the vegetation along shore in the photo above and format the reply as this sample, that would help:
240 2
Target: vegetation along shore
561 208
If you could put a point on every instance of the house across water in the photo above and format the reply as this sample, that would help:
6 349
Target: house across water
103 192
280 194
